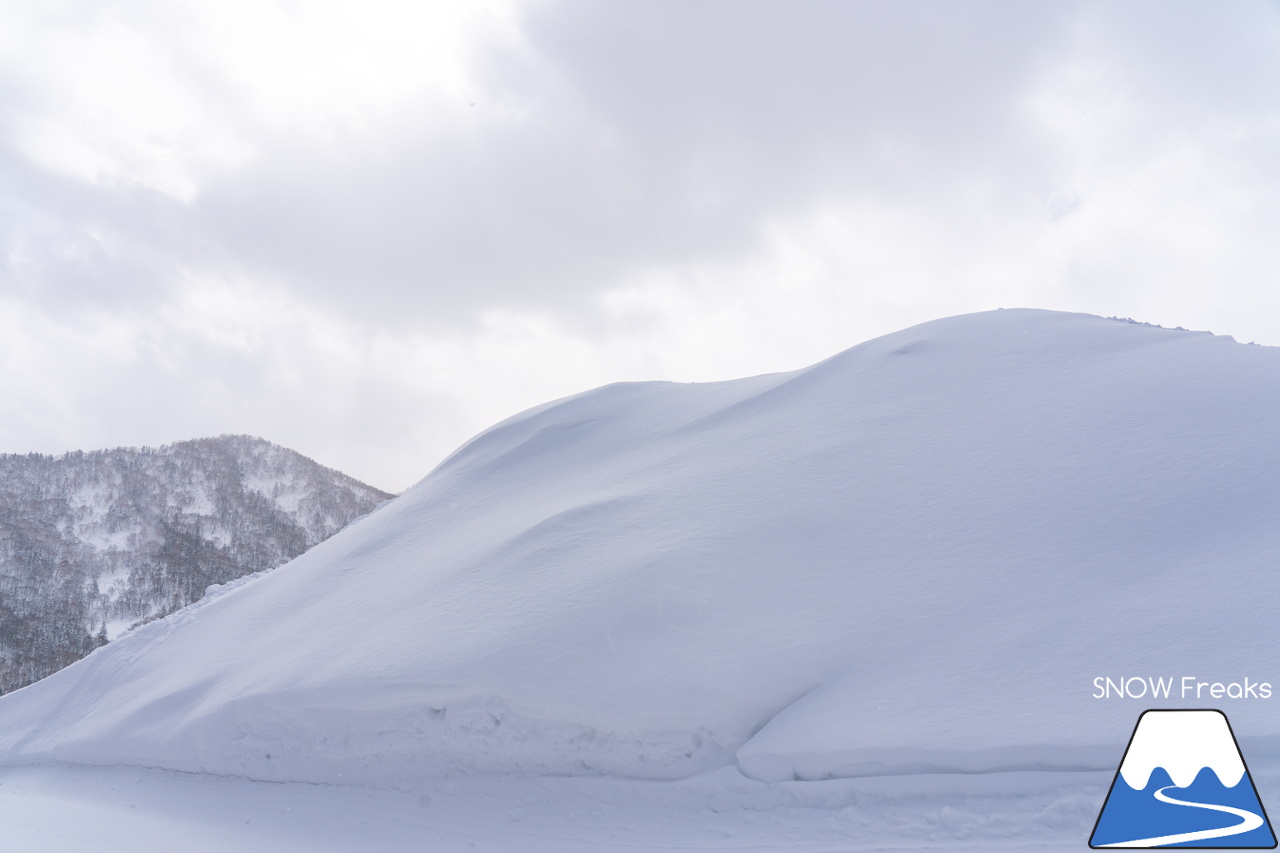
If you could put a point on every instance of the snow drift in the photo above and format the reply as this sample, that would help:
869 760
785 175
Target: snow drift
914 556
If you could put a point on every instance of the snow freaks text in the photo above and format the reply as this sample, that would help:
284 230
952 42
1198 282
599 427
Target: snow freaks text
1186 687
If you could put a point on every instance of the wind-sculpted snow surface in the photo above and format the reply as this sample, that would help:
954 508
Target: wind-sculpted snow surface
914 556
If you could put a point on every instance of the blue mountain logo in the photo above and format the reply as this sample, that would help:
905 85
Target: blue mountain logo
1183 783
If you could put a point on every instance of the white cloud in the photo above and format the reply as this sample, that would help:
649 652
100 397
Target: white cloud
169 96
370 231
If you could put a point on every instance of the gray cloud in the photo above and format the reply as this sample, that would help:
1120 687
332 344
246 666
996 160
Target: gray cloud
624 136
648 135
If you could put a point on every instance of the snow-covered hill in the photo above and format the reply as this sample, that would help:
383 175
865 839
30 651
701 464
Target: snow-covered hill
91 543
916 555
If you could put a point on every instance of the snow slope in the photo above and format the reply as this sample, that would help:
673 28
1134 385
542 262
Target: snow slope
914 556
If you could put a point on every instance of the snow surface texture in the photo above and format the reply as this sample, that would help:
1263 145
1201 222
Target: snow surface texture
59 809
913 557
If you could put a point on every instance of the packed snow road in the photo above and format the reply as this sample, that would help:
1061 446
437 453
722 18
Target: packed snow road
117 809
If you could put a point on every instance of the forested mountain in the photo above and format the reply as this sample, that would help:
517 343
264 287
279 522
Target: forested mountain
92 543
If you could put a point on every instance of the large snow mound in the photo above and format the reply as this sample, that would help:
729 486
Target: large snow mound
914 556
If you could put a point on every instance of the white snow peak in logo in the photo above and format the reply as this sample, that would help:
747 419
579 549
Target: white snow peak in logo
1182 783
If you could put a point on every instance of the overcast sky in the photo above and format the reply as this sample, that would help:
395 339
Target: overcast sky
369 230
